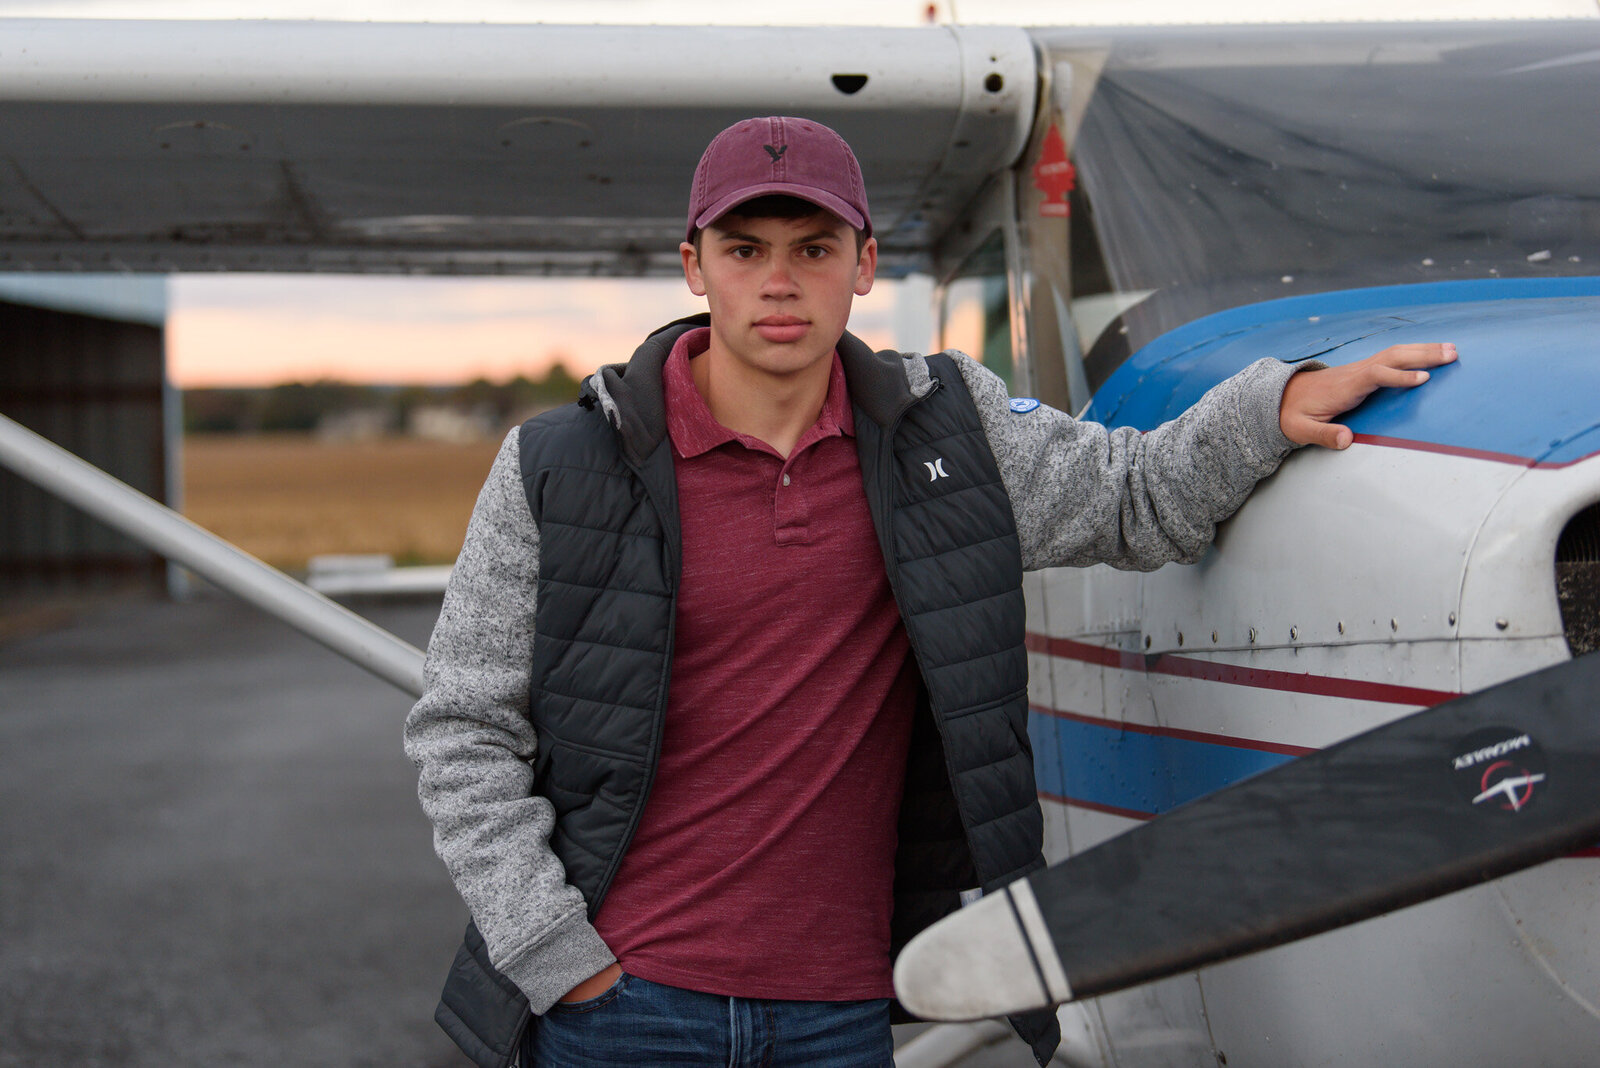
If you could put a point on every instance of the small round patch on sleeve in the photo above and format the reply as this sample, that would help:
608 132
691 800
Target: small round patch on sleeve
1023 405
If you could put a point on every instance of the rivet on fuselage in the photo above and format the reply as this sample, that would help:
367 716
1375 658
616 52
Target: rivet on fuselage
1341 626
1294 634
1147 641
1213 637
1394 624
1452 619
1502 624
1180 637
1252 635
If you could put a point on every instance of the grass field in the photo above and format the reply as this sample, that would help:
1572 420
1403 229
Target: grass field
288 497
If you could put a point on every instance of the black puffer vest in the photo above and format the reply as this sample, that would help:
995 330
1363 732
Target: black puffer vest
605 501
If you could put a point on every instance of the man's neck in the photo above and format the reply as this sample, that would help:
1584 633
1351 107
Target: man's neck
771 408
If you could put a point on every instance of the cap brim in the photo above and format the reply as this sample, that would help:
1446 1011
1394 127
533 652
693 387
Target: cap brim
821 198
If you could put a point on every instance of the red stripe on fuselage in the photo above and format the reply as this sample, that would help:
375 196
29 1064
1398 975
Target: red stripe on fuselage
1457 450
1233 675
1089 653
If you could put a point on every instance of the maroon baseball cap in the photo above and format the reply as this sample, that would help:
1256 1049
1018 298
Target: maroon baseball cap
777 155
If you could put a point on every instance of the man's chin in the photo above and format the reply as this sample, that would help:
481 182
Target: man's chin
782 361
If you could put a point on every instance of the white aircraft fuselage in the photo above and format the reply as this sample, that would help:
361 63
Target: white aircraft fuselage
1223 168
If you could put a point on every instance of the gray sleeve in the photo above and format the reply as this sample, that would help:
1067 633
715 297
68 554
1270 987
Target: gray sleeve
471 738
1083 494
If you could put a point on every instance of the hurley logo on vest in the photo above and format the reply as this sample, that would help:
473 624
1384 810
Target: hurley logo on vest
936 469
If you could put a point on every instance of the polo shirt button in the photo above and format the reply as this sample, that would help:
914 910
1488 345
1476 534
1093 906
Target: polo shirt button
785 480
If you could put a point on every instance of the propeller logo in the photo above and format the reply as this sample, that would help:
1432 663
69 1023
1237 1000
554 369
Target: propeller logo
1498 768
1512 785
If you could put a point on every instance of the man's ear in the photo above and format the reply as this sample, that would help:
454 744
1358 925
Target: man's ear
867 268
691 269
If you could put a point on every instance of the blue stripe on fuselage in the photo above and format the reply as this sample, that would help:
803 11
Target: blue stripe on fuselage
1108 767
1527 386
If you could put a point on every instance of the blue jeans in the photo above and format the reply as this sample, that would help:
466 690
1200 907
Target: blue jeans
640 1024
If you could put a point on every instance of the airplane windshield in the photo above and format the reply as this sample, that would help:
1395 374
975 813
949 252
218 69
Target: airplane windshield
1223 167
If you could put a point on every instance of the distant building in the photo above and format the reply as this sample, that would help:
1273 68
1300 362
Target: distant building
441 423
356 424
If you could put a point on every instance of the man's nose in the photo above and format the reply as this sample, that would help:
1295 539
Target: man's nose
779 280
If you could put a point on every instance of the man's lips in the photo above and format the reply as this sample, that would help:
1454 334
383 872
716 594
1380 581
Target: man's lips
779 328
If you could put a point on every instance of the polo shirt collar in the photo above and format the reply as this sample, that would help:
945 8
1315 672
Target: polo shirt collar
693 429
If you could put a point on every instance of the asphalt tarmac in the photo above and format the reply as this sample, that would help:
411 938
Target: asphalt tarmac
211 851
210 848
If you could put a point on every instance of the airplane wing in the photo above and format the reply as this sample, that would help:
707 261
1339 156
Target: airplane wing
158 146
1455 795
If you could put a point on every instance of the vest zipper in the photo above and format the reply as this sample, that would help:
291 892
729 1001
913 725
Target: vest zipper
892 568
891 562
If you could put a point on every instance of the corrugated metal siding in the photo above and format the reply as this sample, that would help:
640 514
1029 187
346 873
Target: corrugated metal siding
94 386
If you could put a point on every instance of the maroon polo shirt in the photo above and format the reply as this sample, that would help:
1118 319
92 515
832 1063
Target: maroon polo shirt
764 861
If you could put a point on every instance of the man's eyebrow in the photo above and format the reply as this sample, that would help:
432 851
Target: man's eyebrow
739 236
829 234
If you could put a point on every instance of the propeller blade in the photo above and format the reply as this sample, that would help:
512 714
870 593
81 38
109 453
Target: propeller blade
1475 788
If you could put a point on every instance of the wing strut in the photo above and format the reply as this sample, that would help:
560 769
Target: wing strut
158 527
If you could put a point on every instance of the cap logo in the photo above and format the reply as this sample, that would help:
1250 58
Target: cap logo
776 153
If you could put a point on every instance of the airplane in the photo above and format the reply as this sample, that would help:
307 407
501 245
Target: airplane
1115 218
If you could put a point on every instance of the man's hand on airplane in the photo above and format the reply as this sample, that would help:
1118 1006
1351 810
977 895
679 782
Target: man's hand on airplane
1312 399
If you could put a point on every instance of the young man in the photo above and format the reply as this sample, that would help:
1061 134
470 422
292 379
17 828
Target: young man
728 694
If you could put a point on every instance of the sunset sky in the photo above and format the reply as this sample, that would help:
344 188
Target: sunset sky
239 330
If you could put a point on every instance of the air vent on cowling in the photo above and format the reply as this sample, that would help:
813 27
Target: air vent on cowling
1578 580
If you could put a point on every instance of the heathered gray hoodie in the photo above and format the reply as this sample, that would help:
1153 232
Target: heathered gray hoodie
1081 495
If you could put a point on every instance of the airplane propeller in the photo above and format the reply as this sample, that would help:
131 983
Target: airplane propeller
1469 790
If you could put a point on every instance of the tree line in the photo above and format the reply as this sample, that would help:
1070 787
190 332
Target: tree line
303 406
